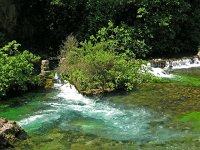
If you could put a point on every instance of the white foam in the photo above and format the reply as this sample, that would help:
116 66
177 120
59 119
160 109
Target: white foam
68 105
69 92
183 63
174 65
29 120
159 72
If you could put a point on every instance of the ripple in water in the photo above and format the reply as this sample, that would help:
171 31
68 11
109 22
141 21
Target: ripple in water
70 110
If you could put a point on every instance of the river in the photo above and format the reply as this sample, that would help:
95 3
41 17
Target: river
160 115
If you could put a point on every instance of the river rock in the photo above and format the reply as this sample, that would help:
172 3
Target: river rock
158 63
10 133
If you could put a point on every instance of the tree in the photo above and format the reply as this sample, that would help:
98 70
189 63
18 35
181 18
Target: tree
166 23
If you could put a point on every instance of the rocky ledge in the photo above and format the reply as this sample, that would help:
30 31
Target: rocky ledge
10 133
96 92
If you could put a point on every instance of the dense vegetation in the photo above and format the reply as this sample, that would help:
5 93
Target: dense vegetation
166 26
104 62
16 69
108 56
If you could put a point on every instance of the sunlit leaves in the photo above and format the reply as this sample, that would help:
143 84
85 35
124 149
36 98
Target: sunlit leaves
102 63
16 69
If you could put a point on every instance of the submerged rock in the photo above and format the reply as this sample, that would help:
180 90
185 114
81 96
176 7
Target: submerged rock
10 133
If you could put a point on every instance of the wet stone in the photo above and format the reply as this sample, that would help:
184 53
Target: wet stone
10 133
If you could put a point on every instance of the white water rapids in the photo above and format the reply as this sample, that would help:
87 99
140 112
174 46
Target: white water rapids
69 110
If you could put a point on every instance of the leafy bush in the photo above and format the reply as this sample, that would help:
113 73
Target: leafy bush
16 68
97 65
122 38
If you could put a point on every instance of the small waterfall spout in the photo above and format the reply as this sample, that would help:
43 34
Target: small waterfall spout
56 78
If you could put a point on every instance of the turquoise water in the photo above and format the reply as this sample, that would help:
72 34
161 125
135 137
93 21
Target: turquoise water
68 110
145 119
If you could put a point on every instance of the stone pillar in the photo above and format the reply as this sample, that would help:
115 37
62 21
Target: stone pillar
45 72
45 68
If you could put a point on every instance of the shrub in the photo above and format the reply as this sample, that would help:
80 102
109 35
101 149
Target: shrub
16 68
97 65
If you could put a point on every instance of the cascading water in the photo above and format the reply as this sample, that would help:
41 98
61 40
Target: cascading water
159 67
159 72
56 78
183 63
71 111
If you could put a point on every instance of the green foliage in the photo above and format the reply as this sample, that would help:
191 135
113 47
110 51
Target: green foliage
122 38
98 13
16 68
167 26
96 65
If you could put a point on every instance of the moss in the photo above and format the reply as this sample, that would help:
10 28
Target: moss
187 80
192 120
170 98
49 83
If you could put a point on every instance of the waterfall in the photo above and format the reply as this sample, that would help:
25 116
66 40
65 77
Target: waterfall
159 72
175 63
57 79
160 67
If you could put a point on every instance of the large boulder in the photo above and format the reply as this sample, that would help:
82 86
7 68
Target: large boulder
10 133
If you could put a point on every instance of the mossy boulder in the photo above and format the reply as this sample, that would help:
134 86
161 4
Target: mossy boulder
10 133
